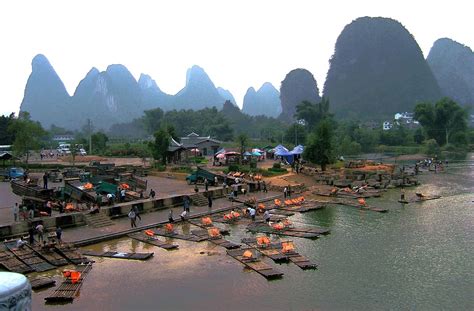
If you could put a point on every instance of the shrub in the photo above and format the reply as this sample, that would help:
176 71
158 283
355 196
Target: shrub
277 165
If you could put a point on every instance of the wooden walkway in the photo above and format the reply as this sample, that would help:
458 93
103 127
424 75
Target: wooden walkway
152 240
11 263
293 232
255 263
120 255
41 282
67 291
30 257
216 240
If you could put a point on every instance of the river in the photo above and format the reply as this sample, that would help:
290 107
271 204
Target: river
418 256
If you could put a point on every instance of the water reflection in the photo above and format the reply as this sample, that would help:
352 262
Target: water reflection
417 256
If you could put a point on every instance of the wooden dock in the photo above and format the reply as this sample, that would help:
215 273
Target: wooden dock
255 263
71 254
11 263
152 240
49 254
293 232
67 291
216 240
29 257
187 237
119 255
41 282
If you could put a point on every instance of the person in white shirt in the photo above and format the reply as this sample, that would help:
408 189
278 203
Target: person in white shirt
253 212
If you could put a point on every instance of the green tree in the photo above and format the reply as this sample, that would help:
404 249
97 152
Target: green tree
6 136
242 140
159 146
295 134
99 142
418 136
443 121
28 134
319 149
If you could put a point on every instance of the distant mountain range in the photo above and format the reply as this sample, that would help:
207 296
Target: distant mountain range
265 101
114 96
377 69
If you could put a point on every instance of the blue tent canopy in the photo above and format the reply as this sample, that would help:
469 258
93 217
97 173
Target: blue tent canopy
257 154
246 153
297 150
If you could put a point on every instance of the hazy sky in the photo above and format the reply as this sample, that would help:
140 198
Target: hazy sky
239 43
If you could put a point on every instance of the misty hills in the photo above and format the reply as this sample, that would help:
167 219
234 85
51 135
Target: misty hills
453 66
377 69
264 101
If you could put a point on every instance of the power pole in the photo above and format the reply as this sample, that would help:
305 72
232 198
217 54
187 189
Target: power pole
89 124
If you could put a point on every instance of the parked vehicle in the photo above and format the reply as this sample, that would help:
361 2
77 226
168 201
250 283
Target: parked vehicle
199 175
82 152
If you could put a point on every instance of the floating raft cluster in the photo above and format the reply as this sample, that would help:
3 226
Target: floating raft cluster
120 255
254 263
278 252
173 234
30 257
68 290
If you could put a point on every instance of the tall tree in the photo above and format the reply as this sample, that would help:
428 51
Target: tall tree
243 141
6 136
446 121
28 134
159 147
319 148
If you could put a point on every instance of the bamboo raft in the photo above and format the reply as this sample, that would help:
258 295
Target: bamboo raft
152 240
175 235
242 220
272 251
41 282
255 264
275 252
72 254
67 291
356 205
300 208
216 240
50 255
293 232
11 263
197 223
120 255
420 199
30 257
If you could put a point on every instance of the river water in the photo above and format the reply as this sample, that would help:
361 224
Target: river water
418 256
